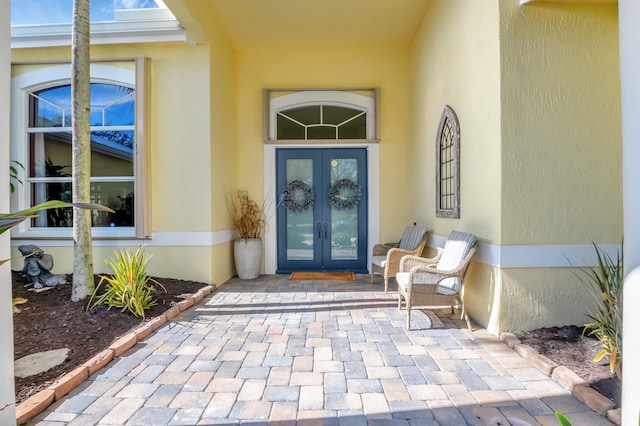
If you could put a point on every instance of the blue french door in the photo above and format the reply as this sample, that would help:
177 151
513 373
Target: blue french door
322 209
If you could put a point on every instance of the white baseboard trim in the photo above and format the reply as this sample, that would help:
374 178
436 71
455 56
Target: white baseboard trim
516 256
158 239
534 256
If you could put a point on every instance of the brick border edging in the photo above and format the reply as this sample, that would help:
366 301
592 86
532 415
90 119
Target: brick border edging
566 378
37 403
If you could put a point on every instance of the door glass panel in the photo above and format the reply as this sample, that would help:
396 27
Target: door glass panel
300 224
344 219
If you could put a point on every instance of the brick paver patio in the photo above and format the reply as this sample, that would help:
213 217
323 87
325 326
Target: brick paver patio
279 352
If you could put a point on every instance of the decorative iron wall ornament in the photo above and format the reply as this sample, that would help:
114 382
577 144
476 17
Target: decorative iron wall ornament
345 194
298 196
448 165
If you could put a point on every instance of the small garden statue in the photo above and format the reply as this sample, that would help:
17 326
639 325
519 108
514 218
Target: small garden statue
37 267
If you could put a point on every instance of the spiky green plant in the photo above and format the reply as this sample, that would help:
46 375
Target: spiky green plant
128 287
563 420
9 220
13 174
604 282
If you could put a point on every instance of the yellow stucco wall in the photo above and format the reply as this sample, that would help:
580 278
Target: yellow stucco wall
519 299
542 297
455 62
190 166
223 96
188 263
561 134
537 94
330 68
180 131
561 150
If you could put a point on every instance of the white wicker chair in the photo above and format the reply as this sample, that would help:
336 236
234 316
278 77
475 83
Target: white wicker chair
385 260
437 282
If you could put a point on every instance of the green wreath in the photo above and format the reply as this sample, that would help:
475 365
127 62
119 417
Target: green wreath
298 196
345 194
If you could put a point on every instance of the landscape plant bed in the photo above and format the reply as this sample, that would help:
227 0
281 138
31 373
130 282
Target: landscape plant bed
568 346
50 320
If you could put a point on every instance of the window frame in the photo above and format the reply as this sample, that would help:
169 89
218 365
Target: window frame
278 100
448 167
48 76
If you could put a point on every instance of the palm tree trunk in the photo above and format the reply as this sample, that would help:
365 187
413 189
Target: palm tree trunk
83 283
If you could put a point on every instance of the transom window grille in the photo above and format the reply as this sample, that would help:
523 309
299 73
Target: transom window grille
322 122
322 116
448 165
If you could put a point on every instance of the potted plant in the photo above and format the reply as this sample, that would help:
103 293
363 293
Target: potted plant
249 220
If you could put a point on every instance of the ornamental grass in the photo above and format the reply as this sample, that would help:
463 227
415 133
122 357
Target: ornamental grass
247 216
128 288
604 282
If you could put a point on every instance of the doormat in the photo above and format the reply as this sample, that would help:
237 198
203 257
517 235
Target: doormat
335 276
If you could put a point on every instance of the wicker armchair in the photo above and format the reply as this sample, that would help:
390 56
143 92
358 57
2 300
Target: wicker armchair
437 282
385 260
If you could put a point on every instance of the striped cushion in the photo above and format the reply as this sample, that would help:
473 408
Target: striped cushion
412 237
455 249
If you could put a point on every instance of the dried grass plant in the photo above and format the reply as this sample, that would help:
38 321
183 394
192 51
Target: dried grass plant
247 216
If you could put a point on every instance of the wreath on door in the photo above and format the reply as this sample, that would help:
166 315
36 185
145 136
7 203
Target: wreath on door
345 194
298 196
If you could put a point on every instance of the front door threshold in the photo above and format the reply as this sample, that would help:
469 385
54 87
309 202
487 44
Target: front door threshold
289 271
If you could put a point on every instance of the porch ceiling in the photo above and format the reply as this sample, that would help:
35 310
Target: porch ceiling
319 23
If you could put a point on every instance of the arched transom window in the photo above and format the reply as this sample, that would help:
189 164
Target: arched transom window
321 115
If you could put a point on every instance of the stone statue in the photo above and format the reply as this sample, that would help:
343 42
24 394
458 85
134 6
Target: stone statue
38 266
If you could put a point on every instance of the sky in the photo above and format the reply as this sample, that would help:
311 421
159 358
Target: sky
24 12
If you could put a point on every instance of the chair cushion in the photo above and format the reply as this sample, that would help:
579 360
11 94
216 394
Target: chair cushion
455 249
402 278
412 237
379 260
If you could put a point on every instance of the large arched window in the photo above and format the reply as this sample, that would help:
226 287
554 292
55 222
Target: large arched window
49 153
321 115
42 143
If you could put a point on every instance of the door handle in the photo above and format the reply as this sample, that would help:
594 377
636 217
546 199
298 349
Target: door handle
326 230
319 230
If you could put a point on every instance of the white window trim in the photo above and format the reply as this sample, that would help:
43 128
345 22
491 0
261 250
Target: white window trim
48 76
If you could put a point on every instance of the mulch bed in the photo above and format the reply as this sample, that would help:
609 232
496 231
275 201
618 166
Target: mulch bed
50 320
569 347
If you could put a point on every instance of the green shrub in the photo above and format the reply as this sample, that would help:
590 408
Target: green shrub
604 282
128 288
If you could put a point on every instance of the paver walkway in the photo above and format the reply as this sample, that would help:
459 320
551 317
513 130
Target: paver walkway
280 352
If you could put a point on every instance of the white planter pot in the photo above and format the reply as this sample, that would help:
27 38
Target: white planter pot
247 253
